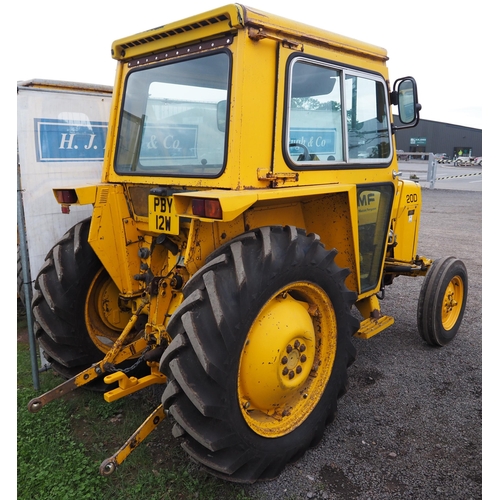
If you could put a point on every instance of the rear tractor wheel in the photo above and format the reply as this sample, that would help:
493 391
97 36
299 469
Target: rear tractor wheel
442 301
76 305
260 350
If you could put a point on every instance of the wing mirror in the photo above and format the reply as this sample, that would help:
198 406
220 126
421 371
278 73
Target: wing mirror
404 95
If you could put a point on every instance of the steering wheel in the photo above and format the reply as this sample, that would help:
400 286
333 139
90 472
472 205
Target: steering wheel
305 156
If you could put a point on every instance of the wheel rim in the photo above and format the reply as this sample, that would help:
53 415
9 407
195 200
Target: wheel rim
452 302
104 319
287 359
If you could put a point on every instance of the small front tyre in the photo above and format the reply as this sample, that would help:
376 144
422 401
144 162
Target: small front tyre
442 301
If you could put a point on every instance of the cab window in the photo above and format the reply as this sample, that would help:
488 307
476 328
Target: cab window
174 118
335 116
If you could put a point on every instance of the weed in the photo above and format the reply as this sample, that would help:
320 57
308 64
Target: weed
60 449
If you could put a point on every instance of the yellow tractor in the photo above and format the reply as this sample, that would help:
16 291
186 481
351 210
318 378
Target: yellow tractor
249 220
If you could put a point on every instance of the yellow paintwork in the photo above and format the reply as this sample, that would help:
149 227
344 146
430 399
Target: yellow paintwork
374 322
128 385
406 214
287 360
371 326
104 319
255 100
256 188
255 160
452 302
223 19
86 194
109 465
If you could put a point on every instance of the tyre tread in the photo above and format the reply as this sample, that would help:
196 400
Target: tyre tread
205 329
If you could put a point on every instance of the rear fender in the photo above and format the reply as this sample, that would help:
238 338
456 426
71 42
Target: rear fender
332 215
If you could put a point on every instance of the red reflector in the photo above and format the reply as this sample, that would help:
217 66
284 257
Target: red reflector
207 208
65 195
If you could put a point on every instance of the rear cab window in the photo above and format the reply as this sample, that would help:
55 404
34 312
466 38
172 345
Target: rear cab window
174 118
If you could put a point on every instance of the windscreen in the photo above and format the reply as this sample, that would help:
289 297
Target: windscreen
173 120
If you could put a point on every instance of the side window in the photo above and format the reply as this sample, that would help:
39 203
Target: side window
335 116
315 117
367 120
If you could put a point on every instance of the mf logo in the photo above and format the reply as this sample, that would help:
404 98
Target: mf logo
368 205
367 198
62 140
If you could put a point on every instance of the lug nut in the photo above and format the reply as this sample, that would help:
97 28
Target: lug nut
284 360
289 348
285 371
296 344
302 348
291 374
298 369
303 358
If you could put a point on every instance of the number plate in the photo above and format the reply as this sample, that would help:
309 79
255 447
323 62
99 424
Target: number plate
162 216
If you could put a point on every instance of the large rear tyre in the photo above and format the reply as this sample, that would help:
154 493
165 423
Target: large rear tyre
260 350
442 300
76 305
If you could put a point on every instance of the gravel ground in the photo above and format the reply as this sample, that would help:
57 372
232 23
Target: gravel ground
410 423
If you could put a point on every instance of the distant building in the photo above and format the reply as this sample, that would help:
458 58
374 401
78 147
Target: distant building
437 137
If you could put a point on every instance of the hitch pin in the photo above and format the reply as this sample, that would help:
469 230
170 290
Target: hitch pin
87 375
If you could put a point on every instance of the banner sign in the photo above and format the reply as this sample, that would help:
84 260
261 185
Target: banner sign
61 136
316 140
418 141
62 140
168 142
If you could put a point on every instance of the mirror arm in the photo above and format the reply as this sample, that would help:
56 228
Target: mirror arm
395 128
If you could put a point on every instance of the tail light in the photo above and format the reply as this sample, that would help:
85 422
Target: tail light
65 197
210 209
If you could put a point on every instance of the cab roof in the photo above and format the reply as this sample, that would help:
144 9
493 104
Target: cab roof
229 19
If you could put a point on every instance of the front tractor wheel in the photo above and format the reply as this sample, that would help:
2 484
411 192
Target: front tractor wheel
260 350
76 305
442 300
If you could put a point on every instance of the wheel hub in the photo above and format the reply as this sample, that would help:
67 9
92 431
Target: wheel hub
104 318
287 360
452 302
294 361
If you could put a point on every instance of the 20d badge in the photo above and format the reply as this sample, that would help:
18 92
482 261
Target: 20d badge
162 216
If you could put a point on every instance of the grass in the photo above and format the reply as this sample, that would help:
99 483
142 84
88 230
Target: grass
60 448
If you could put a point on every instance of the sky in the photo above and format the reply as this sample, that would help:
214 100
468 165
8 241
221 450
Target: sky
60 40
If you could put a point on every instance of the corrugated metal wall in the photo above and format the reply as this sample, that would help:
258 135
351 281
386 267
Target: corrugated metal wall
439 138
